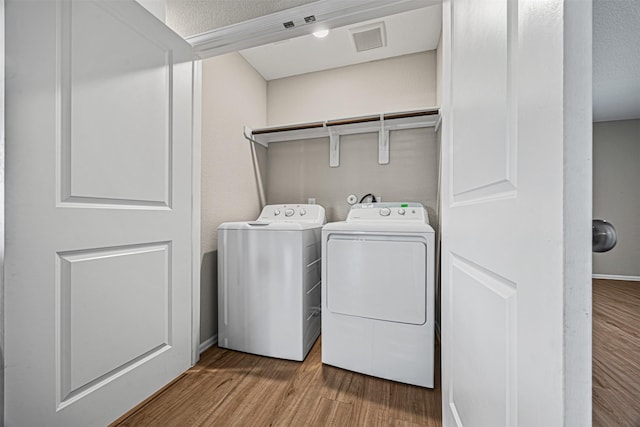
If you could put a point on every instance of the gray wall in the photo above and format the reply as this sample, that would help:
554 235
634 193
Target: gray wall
616 193
297 170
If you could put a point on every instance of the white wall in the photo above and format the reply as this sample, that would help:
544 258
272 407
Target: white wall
616 198
396 84
233 95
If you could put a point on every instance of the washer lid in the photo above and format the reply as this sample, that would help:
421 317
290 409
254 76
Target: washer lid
268 226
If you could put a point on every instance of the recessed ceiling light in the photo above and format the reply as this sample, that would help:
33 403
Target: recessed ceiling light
321 34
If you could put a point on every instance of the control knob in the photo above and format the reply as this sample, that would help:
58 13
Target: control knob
276 212
385 211
289 212
401 211
303 212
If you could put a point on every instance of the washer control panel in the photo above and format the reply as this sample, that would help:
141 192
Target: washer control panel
388 211
293 213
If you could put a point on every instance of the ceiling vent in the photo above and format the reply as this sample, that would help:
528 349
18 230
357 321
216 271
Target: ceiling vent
369 37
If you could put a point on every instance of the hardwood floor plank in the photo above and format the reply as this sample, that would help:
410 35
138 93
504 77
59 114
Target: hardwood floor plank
331 413
255 399
300 399
228 388
616 353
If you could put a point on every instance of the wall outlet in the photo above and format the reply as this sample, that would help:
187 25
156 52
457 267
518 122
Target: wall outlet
311 201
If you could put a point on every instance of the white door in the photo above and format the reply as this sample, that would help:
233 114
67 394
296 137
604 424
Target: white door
516 213
98 210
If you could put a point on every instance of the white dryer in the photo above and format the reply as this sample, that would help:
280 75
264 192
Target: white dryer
269 282
378 292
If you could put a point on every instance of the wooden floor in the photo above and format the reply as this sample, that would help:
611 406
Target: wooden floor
228 388
616 353
236 389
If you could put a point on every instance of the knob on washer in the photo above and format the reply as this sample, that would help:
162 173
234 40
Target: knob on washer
289 212
385 211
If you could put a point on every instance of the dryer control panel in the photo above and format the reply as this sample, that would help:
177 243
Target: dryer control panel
389 211
293 213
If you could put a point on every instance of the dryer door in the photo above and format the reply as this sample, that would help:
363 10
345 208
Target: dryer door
377 277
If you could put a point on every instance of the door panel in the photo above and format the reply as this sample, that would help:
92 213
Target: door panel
92 285
482 47
482 308
98 210
127 163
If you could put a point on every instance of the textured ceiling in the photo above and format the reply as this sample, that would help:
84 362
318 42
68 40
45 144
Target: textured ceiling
616 60
189 17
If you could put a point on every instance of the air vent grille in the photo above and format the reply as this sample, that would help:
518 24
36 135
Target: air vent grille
289 24
369 37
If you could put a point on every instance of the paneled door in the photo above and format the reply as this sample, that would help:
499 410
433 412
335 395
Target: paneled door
516 259
98 210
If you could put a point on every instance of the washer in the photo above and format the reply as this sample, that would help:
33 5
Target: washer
269 282
378 292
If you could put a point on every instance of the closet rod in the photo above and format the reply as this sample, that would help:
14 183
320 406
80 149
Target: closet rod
365 119
389 116
288 128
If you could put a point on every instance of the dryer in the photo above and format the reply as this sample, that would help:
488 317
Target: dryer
378 292
269 282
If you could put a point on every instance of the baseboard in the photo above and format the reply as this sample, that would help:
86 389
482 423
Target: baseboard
616 277
208 343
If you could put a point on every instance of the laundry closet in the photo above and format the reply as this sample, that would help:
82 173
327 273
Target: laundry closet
110 206
239 176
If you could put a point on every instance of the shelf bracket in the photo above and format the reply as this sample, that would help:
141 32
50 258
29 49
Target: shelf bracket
383 143
438 124
334 148
247 132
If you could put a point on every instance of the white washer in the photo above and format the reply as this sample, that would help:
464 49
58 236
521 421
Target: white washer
269 282
378 292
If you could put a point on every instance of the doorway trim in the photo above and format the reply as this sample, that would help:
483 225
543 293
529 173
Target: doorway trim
196 144
2 114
